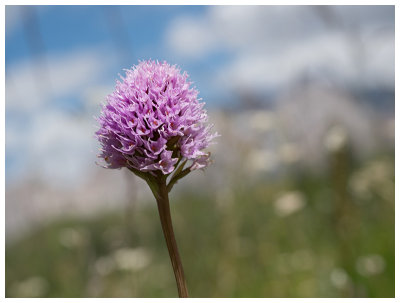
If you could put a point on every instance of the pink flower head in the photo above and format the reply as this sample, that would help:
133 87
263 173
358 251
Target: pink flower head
153 120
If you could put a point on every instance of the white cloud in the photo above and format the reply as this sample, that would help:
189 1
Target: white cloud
241 27
379 60
49 143
189 37
53 147
60 148
65 73
275 45
271 27
255 70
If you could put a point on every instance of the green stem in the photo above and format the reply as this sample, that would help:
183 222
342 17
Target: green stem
166 223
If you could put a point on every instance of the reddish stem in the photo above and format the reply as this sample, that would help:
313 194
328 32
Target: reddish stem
166 223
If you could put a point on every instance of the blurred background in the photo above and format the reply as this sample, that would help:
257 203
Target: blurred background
300 199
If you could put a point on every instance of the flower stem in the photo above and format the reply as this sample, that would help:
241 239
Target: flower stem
166 223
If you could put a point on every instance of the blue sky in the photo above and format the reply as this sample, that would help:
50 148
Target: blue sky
75 52
65 28
56 80
224 49
126 33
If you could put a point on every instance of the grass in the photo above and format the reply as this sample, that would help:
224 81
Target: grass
337 241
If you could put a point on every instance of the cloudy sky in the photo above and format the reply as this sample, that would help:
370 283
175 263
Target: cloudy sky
61 61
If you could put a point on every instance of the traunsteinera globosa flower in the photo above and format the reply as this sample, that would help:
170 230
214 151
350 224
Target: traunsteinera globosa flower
154 125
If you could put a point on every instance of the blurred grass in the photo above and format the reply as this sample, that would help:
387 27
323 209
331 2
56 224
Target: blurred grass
303 235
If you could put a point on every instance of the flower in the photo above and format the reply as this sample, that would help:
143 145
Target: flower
154 120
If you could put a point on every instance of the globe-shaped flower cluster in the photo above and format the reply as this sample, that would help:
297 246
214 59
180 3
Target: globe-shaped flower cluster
154 120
